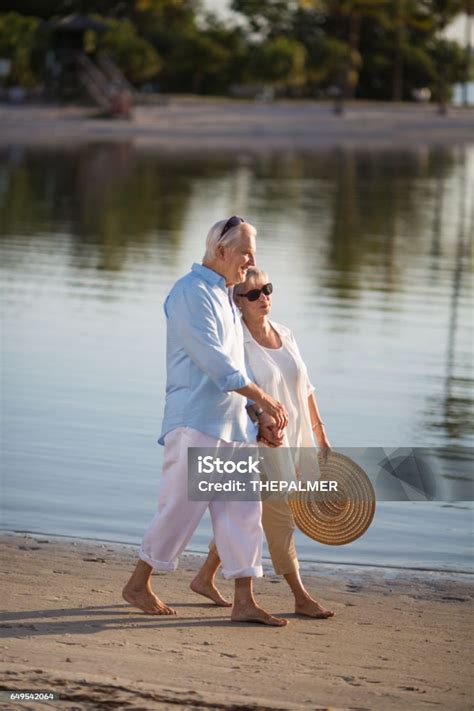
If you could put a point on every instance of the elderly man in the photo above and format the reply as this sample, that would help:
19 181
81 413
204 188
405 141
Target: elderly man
206 393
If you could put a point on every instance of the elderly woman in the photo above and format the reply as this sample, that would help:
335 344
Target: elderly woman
275 362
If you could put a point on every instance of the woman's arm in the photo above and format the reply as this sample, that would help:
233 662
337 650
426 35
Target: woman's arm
317 424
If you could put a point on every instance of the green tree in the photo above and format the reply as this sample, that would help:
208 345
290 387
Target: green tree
327 58
405 15
379 46
19 42
449 60
326 55
445 54
345 19
280 61
193 58
267 18
197 63
45 9
368 48
399 59
235 43
136 57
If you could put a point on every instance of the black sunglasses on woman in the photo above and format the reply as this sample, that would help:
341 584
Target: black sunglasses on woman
254 294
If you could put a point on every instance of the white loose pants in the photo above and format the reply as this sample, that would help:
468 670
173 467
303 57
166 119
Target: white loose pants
237 525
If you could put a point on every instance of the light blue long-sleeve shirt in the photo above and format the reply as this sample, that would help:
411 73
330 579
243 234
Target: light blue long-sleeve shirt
205 359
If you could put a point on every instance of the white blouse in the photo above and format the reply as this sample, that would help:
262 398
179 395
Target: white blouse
282 374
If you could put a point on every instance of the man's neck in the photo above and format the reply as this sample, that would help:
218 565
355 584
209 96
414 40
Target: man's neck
216 268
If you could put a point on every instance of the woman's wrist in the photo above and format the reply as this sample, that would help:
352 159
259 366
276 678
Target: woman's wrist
318 425
255 412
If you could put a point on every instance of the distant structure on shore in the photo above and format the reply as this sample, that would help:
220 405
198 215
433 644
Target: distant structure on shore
73 74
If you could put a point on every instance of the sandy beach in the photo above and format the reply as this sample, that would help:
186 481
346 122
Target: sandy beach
396 642
209 123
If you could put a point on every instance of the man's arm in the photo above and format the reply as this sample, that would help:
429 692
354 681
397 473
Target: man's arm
195 322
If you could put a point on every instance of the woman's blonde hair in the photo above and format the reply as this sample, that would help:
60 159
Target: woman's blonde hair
253 273
230 238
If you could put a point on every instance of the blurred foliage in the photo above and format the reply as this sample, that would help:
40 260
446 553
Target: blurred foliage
136 57
381 49
267 18
279 60
20 41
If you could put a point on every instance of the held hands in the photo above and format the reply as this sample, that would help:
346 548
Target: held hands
268 432
273 408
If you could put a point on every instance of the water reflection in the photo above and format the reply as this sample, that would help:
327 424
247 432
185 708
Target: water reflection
369 253
361 222
103 195
452 413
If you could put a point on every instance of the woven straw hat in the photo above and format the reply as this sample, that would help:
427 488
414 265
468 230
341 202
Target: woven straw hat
336 518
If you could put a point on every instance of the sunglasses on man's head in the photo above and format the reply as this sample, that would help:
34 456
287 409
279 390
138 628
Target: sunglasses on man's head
254 294
231 222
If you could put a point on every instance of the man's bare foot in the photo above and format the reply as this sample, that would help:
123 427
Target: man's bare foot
147 601
209 590
254 613
311 608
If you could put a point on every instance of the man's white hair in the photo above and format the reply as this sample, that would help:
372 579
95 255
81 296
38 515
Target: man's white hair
231 238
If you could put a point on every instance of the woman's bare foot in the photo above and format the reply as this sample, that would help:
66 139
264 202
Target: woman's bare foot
209 590
147 601
310 608
251 612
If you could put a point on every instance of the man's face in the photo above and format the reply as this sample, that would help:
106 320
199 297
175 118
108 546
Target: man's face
238 258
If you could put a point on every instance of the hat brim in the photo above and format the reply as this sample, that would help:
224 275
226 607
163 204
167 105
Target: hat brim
336 518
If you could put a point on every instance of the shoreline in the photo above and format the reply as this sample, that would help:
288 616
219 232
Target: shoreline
310 568
398 643
203 124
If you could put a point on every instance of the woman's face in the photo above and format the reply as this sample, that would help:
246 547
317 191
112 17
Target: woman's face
258 308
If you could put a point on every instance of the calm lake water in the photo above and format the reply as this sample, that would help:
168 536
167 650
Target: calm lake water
369 254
